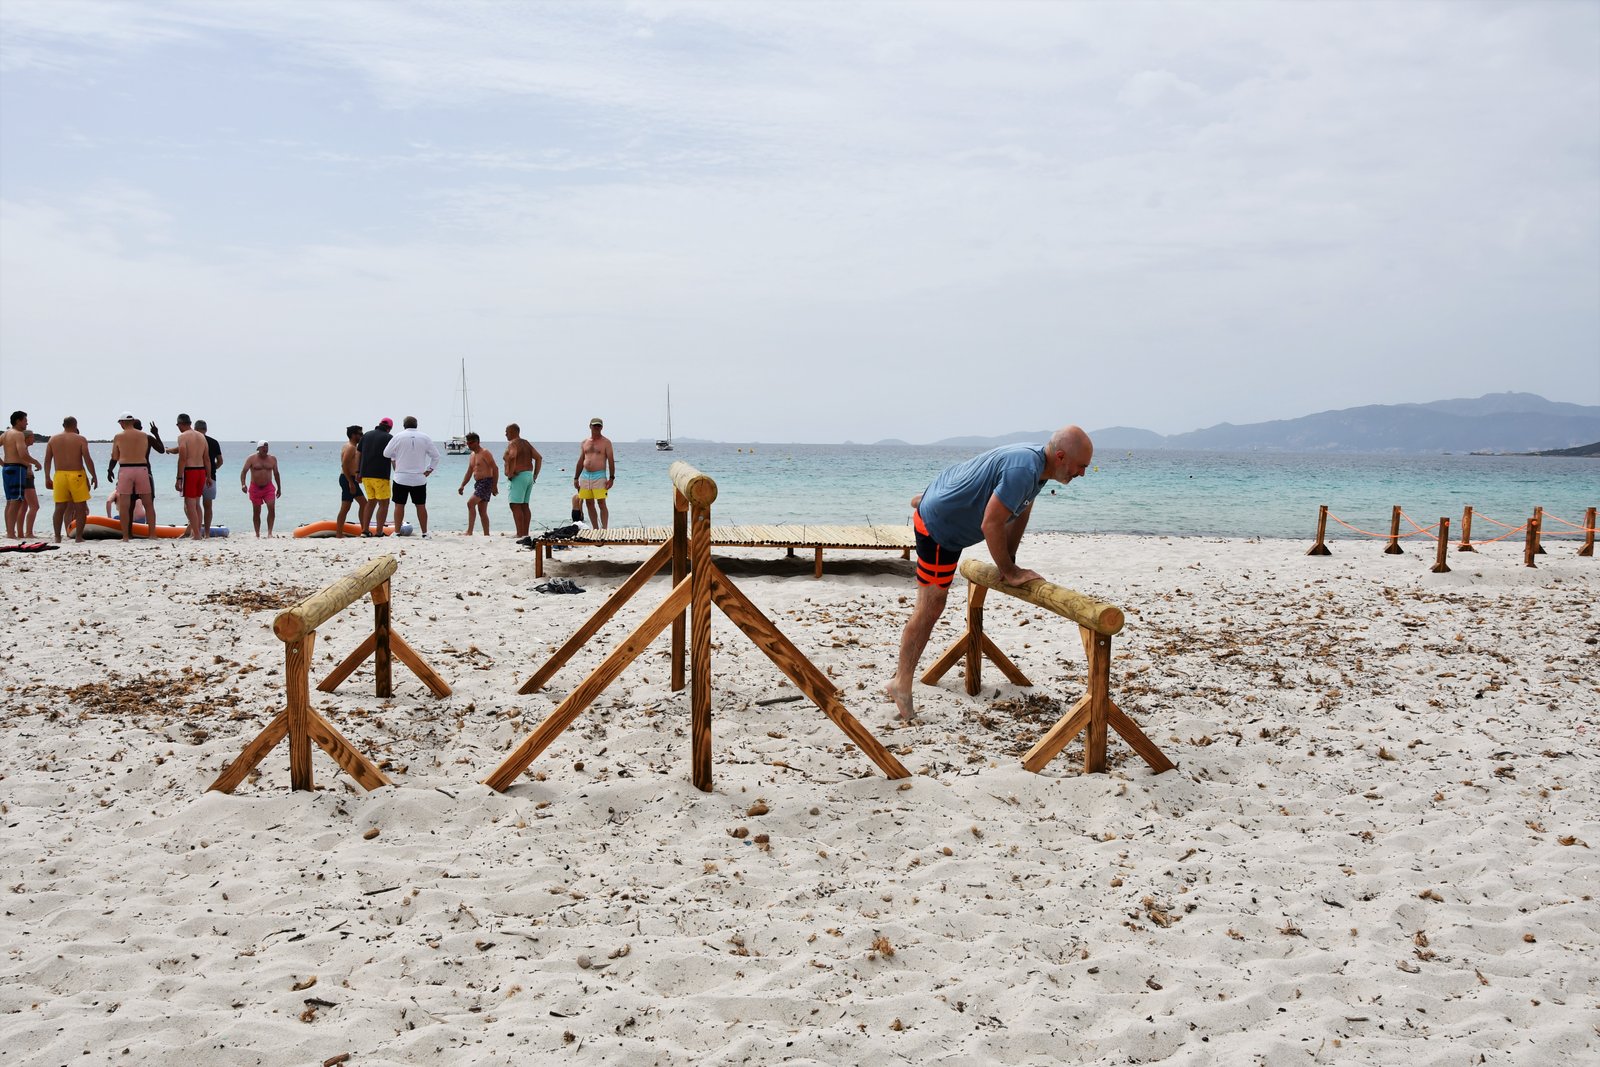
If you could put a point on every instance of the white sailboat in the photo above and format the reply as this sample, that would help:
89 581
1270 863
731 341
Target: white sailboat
664 444
457 445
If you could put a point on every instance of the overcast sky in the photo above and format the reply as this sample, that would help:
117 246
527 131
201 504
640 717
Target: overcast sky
815 221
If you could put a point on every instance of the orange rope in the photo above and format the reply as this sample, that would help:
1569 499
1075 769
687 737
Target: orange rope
1357 529
1502 537
1419 529
1497 522
1576 527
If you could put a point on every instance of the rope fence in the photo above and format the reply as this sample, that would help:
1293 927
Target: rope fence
1533 532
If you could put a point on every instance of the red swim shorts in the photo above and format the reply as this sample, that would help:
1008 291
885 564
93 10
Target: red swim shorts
194 483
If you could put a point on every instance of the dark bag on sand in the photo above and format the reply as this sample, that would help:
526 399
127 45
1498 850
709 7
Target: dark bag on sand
559 585
561 533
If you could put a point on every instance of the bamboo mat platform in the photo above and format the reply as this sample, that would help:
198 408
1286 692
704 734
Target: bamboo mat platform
791 537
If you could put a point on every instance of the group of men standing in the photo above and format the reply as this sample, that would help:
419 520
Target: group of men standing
378 467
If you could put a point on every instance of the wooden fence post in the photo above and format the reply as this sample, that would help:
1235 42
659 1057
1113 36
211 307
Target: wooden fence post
1538 529
1439 564
1320 549
1394 548
1588 534
1530 543
1466 530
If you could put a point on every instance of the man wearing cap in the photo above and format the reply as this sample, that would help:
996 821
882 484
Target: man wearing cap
262 471
194 472
415 458
375 467
130 449
596 472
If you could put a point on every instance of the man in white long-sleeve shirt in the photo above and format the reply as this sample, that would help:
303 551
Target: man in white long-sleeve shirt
415 458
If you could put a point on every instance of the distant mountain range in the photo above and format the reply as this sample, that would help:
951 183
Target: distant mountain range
1495 422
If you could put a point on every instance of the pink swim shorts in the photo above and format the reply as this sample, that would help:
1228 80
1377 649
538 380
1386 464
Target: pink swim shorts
134 481
263 494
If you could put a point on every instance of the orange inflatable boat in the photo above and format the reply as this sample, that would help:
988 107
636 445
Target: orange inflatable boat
101 528
327 528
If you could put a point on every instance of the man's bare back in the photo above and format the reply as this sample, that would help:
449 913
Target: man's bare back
518 457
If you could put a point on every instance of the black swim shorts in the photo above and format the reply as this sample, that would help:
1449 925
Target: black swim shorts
936 563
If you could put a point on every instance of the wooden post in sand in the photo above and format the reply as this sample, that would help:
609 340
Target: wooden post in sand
1439 564
1320 549
1097 623
1466 530
296 627
1394 548
697 585
1530 542
1588 534
1538 530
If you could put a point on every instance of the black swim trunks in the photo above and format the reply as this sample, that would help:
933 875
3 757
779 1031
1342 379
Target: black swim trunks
936 563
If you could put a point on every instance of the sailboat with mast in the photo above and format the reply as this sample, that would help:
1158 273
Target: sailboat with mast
457 445
664 444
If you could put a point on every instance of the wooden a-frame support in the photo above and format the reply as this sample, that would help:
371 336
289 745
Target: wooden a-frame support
299 722
1097 624
697 584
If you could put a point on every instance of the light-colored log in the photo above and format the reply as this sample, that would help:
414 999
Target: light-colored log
1084 610
700 490
316 609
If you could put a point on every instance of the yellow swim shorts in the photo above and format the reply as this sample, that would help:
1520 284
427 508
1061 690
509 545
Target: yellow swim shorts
375 488
592 485
72 487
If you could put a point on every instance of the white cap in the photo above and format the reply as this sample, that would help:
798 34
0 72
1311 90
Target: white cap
126 416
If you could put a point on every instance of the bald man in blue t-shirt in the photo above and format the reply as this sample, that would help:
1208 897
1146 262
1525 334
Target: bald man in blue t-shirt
988 498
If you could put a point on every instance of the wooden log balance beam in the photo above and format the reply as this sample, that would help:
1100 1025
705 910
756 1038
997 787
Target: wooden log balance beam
697 585
1098 623
296 627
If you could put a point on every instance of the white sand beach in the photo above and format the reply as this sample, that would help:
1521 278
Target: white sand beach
1381 843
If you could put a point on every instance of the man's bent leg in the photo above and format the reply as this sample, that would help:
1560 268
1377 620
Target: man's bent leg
930 605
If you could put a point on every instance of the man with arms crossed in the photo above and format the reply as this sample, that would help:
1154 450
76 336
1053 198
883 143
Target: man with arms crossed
194 472
375 470
522 463
485 478
131 449
349 478
68 453
262 470
596 472
214 449
14 443
988 498
415 457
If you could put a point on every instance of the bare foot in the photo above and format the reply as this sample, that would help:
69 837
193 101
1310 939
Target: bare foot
902 701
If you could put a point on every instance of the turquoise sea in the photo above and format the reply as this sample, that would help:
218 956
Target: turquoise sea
1226 494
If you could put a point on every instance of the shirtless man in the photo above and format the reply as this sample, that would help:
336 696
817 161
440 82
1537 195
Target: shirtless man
265 486
30 495
349 478
131 450
194 472
14 443
485 477
522 463
215 448
596 472
68 453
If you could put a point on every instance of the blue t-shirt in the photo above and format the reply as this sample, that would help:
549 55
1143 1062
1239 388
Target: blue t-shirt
952 507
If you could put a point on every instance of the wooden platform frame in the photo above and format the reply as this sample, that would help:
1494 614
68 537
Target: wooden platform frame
1097 623
697 584
816 538
296 627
